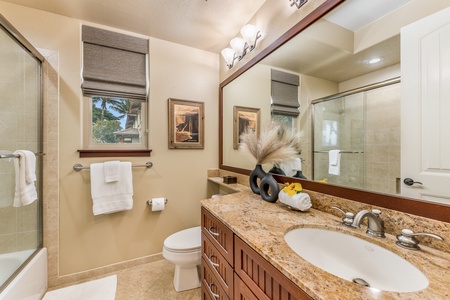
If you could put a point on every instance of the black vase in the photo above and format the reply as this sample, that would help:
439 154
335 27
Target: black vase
269 182
257 173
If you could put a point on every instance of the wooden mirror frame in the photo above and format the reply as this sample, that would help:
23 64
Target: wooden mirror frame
430 210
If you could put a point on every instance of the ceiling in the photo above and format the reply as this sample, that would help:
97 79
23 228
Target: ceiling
312 55
204 24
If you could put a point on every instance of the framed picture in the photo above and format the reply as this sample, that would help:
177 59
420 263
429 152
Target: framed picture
186 124
244 117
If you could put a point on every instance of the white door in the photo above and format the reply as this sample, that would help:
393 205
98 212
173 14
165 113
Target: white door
425 108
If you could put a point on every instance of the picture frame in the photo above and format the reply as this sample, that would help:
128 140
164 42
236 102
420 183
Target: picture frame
244 117
186 124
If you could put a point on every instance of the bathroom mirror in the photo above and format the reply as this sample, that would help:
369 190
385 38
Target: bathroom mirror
332 58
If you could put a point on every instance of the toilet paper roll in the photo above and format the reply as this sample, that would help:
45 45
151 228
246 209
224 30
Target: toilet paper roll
158 204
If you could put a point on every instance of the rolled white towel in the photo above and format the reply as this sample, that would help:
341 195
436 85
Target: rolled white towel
300 201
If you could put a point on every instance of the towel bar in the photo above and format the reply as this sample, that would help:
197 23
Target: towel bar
79 167
12 155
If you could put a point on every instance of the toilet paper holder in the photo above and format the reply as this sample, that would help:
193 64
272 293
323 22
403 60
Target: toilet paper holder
149 202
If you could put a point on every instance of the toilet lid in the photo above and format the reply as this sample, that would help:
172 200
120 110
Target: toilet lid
184 240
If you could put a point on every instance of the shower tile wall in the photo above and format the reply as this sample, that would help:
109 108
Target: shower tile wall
382 159
18 130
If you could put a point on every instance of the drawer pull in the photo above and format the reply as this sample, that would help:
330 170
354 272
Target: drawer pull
215 296
213 263
212 232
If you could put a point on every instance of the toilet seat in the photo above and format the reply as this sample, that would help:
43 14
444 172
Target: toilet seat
184 241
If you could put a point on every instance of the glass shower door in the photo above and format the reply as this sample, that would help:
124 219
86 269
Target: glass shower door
20 128
339 125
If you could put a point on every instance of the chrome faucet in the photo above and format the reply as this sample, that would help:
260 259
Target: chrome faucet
375 223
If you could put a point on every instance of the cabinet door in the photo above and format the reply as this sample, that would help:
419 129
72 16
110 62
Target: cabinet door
219 235
263 279
218 265
210 285
241 291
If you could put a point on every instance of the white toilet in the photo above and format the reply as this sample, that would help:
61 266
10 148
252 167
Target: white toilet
183 249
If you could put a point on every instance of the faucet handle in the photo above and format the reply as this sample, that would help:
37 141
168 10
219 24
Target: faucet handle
347 219
406 238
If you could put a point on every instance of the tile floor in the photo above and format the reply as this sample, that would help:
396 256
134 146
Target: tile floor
152 281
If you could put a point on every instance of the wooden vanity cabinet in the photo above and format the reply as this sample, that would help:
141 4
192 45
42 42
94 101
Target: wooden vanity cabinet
261 278
217 258
233 270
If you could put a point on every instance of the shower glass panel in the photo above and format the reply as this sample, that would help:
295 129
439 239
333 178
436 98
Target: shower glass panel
20 128
339 125
364 126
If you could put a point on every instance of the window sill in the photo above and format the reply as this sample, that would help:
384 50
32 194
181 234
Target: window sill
114 153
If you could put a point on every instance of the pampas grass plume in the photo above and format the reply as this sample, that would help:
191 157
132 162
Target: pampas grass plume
275 144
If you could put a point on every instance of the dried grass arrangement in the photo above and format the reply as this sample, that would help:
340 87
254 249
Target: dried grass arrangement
275 145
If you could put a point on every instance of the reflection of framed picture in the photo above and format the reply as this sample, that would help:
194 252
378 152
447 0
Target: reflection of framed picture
244 117
186 124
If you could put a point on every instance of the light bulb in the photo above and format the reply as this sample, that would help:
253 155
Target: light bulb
229 56
239 46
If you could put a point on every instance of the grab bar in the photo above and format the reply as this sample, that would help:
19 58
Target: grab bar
12 155
79 167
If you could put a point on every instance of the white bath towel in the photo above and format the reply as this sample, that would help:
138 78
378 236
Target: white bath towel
300 201
25 168
111 170
110 197
334 162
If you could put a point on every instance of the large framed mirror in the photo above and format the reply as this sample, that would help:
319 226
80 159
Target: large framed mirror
356 95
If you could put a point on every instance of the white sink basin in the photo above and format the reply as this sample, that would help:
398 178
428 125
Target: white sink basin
356 260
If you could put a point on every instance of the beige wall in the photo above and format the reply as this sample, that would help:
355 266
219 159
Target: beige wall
87 242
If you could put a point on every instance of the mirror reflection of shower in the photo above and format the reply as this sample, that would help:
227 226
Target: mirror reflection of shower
363 127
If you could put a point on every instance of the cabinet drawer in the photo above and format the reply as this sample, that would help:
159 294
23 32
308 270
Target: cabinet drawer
263 279
210 284
219 235
218 265
241 291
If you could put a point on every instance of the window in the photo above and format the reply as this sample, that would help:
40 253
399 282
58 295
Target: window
115 90
284 93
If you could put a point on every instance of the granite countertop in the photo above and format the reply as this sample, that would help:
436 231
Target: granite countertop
262 225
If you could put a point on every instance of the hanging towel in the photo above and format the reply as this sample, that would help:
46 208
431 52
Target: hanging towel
25 169
111 170
110 197
334 160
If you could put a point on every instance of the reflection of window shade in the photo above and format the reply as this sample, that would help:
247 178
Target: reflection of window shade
284 93
114 64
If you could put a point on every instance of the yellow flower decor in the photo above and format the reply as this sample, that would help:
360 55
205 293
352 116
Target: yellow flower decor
292 189
293 196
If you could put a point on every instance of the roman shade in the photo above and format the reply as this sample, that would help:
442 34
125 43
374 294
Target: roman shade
114 64
284 92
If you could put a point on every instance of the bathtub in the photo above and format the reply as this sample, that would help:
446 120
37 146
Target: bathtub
31 282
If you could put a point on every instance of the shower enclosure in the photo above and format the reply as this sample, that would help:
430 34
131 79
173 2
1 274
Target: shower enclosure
20 128
364 126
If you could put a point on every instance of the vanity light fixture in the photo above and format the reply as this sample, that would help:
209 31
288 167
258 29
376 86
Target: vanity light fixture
241 45
298 3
